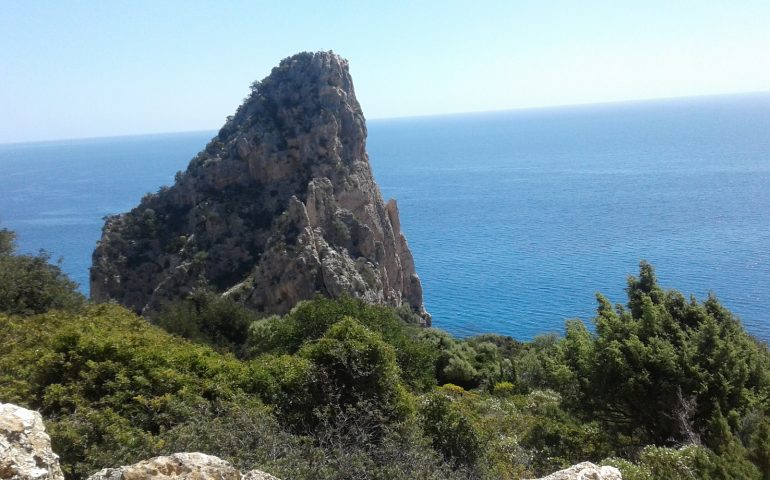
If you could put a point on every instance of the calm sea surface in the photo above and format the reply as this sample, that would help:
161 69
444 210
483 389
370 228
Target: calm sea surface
515 219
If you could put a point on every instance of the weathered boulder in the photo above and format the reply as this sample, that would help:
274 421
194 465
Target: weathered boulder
586 471
180 466
281 204
25 448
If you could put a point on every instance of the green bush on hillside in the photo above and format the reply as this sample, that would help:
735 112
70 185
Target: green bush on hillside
308 321
109 382
664 369
30 284
206 317
349 368
452 432
115 389
663 388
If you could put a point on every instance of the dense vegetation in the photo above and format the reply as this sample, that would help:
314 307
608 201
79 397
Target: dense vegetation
662 387
29 284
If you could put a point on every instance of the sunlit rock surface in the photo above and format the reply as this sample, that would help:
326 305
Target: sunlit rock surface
585 471
180 466
25 448
281 204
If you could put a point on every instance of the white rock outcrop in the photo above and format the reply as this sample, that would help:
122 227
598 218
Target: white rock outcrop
180 466
585 471
25 448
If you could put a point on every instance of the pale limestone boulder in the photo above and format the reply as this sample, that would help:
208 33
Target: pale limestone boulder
257 475
25 448
586 471
180 466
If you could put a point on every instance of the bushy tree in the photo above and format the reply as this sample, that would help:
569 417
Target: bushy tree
110 383
308 321
209 318
353 368
7 240
452 432
30 284
663 369
471 363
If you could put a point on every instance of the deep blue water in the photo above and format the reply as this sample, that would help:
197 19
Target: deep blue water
515 219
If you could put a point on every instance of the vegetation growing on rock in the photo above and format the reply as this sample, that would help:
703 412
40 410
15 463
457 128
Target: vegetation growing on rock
281 204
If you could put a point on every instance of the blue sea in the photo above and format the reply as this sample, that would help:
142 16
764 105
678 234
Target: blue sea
515 219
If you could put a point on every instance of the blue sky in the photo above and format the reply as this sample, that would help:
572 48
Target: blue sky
71 69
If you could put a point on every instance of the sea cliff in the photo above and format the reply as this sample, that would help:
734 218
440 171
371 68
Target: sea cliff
280 205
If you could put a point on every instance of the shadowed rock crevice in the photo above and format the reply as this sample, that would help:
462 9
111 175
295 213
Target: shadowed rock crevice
281 204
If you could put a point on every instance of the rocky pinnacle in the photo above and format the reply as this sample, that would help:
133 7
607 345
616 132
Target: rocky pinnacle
279 206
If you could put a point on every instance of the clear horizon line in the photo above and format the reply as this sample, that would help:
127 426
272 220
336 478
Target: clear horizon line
581 104
418 116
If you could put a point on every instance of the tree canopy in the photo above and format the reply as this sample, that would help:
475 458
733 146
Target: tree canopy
30 284
666 369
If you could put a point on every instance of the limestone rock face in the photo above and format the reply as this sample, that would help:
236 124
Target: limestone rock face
180 466
585 471
25 448
281 204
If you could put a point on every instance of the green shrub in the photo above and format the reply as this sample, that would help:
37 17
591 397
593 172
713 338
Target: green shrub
354 368
452 433
308 321
29 284
109 383
472 363
503 389
691 462
662 368
209 318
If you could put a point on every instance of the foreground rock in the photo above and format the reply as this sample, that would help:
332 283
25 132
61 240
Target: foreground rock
25 448
585 471
180 466
25 454
280 205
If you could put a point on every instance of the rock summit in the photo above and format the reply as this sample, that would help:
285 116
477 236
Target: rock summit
279 206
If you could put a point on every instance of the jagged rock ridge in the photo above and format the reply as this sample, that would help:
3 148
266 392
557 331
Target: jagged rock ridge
281 204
